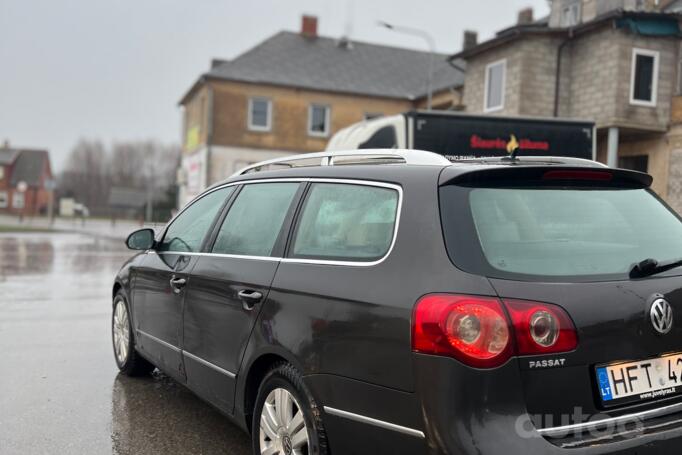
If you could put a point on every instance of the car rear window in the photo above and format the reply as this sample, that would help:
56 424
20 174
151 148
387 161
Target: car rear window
346 222
557 231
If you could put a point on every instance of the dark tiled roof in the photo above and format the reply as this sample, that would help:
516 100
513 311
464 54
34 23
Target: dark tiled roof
326 64
29 166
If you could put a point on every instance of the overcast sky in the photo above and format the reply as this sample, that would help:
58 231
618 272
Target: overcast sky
114 70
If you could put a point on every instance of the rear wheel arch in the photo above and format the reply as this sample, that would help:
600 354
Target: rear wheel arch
257 371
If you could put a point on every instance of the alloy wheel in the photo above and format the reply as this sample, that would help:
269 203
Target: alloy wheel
282 427
121 329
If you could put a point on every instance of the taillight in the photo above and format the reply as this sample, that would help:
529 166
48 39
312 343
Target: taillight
541 328
472 329
477 331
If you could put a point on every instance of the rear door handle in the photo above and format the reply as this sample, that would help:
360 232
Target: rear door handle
177 284
249 298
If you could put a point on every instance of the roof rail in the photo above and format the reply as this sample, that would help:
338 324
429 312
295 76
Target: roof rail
364 156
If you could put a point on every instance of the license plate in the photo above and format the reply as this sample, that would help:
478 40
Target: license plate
650 379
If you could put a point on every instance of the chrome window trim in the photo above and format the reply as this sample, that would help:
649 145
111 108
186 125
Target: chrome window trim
158 340
209 364
374 422
398 214
579 427
220 255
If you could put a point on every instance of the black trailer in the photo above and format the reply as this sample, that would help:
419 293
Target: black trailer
460 136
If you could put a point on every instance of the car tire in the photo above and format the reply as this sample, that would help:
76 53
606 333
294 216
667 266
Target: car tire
286 416
128 360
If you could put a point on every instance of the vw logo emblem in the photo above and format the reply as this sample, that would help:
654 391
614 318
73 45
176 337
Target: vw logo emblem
661 316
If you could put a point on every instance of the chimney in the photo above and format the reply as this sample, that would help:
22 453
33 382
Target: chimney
470 39
309 26
525 16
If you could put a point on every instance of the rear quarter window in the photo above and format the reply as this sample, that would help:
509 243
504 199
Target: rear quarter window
346 222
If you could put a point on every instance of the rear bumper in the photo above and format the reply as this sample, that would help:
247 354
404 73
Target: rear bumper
470 412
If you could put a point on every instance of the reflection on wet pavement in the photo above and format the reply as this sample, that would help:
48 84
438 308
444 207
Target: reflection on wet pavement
59 388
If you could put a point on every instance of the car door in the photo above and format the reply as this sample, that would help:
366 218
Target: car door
230 283
158 291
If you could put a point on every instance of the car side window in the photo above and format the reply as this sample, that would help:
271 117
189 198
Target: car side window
346 222
255 219
187 231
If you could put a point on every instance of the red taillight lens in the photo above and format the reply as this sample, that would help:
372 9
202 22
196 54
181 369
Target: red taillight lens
541 328
477 331
472 329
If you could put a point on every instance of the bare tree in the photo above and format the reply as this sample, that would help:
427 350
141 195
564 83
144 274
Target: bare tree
92 171
85 176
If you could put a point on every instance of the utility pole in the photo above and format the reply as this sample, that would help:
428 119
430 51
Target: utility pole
432 49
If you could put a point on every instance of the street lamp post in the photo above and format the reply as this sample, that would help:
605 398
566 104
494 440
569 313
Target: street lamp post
432 49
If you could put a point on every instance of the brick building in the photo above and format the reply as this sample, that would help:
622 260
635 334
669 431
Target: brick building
290 93
25 181
616 62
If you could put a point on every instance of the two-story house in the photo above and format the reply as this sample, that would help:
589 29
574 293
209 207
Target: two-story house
25 181
290 93
616 62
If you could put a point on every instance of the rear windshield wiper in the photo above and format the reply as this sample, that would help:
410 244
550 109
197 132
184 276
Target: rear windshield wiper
650 266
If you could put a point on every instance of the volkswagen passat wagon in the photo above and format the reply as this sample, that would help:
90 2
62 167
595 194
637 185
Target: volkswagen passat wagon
388 302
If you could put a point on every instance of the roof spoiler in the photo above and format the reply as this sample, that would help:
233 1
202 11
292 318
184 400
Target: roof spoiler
546 176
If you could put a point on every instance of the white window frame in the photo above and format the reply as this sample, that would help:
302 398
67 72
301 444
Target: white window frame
327 119
486 87
268 126
4 199
16 197
654 88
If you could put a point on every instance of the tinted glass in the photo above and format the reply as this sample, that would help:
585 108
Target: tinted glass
188 230
644 77
572 232
384 138
253 223
495 79
346 222
259 112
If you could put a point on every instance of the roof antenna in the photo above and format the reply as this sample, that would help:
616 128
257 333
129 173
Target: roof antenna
345 40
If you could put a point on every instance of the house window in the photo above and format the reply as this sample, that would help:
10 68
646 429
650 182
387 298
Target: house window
635 163
570 14
18 200
2 173
494 86
260 114
644 77
4 199
318 120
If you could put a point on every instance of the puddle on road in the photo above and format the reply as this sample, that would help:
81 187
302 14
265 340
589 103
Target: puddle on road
66 395
42 254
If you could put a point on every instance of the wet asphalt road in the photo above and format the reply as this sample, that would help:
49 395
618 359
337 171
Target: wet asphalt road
60 392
